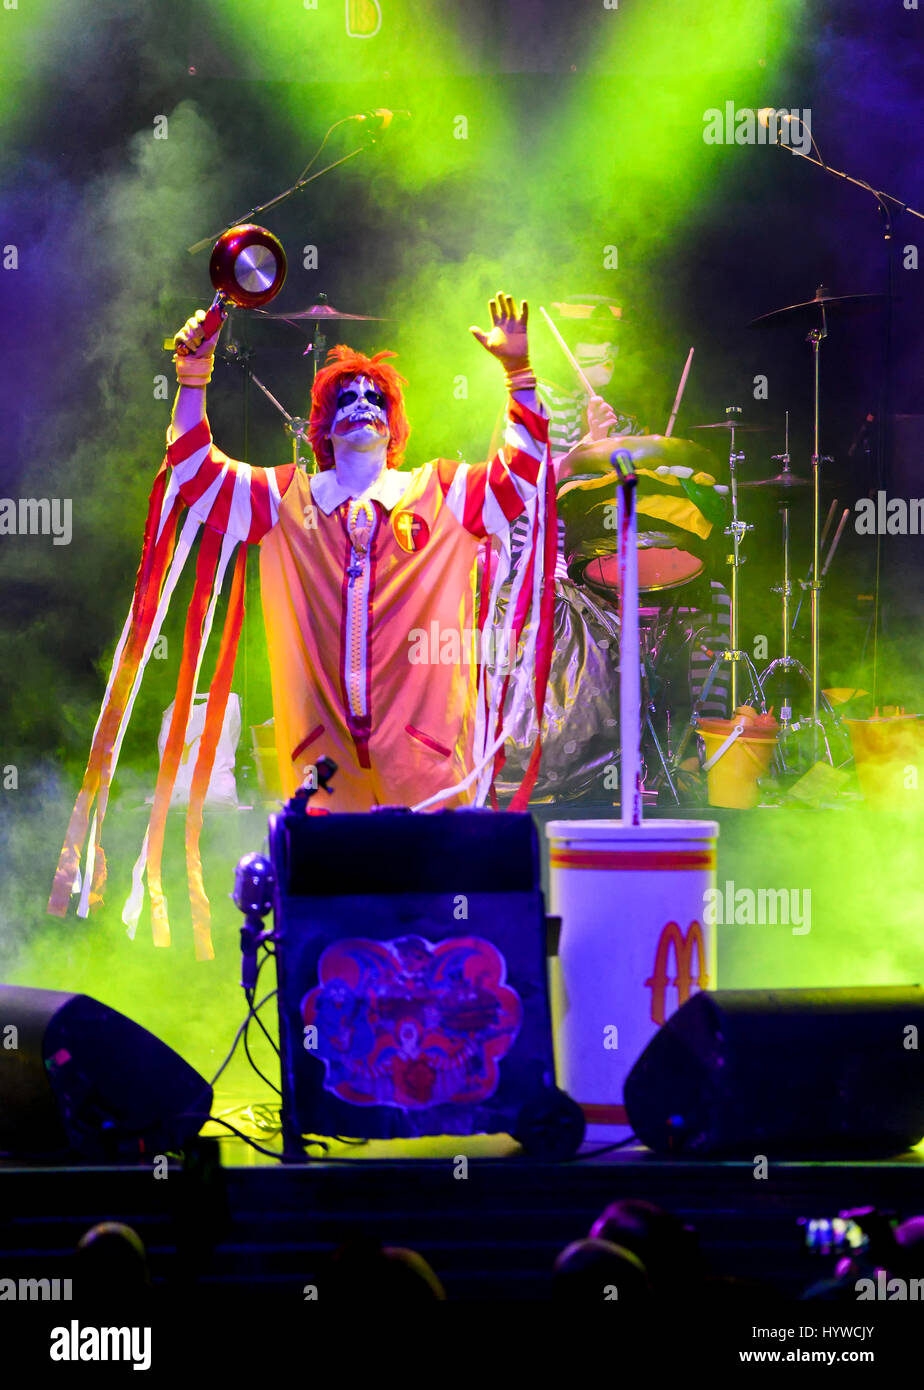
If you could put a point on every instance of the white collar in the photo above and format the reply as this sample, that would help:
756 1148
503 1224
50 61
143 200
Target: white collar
329 492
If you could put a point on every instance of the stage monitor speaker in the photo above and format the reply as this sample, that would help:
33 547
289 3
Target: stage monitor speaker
411 965
787 1073
78 1079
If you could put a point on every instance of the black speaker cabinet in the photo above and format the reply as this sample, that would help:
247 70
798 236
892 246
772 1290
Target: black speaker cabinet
78 1079
789 1072
413 997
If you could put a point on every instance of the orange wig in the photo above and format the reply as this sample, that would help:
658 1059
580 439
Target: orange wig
343 363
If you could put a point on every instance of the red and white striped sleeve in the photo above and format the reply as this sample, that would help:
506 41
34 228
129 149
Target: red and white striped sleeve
227 495
486 498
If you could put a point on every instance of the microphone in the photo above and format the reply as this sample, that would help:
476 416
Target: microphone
767 116
379 119
767 113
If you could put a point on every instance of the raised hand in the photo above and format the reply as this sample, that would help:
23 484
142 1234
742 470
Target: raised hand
190 337
506 340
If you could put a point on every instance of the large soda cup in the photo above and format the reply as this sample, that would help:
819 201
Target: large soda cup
633 947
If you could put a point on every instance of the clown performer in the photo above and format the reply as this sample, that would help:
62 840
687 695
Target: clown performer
382 654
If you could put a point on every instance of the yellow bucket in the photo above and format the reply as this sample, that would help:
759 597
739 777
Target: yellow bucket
732 780
889 754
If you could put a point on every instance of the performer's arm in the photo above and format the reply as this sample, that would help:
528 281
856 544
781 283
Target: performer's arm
193 373
230 496
486 497
602 422
507 340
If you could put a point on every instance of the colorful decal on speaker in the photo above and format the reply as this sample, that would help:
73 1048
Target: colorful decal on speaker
658 983
411 1023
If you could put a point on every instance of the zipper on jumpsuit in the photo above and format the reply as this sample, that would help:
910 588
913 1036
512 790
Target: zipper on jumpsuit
362 523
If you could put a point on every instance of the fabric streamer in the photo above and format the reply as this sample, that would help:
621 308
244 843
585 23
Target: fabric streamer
242 504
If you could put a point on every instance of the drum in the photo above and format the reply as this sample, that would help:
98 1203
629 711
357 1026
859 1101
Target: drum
658 568
680 506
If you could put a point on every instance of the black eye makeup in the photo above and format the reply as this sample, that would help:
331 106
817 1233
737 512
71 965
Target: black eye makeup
371 395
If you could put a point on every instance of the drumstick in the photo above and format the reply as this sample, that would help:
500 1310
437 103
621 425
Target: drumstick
834 543
568 353
821 543
679 396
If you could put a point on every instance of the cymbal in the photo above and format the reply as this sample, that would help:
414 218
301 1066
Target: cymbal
645 450
323 311
737 425
782 482
810 308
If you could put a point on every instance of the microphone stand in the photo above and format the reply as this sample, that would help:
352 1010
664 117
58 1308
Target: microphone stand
296 426
318 343
881 197
887 203
300 183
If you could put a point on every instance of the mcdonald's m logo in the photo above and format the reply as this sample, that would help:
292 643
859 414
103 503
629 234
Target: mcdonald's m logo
684 980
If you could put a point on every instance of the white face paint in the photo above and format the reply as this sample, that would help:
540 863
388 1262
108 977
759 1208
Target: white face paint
362 412
597 361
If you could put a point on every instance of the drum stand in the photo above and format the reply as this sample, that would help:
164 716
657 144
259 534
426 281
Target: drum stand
814 584
664 761
785 662
650 656
737 531
788 727
732 653
296 426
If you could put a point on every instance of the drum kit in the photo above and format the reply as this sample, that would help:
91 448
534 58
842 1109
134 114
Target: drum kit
683 514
